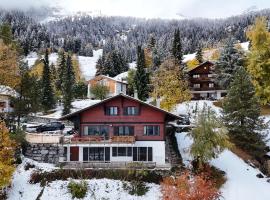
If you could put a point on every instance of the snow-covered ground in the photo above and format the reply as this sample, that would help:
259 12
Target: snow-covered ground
76 105
99 189
88 64
242 183
33 57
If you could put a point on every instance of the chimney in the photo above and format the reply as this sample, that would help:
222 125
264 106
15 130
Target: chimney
158 102
135 94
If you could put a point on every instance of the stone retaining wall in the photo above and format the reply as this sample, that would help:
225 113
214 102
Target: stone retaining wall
47 153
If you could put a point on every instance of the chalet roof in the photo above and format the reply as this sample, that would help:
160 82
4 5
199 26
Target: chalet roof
7 91
206 62
114 97
108 77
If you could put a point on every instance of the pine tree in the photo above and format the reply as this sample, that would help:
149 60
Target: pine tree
168 86
68 83
259 59
100 66
199 55
156 58
177 48
141 77
7 147
209 137
61 71
242 114
229 61
47 98
6 34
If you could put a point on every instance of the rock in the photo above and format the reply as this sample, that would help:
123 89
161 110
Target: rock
268 180
259 176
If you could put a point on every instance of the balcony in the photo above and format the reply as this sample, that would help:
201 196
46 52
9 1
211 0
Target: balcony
99 140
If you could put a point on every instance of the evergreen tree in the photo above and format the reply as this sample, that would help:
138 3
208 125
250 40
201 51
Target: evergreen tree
177 48
6 34
80 90
259 59
141 77
100 91
229 61
156 58
68 83
61 71
209 137
242 114
100 66
47 98
199 55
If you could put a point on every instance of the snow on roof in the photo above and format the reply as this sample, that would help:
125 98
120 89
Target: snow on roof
123 95
7 91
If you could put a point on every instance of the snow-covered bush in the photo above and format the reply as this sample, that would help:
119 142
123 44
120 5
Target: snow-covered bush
138 188
78 189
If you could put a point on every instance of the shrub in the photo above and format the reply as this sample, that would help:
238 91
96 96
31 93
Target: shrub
138 188
77 189
29 166
189 187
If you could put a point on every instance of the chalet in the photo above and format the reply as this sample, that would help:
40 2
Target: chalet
115 86
118 129
5 98
202 85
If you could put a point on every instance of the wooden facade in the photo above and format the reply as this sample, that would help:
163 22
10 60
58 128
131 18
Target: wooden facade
202 84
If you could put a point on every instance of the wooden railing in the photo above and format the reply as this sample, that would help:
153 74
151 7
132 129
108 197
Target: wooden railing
100 139
123 139
43 138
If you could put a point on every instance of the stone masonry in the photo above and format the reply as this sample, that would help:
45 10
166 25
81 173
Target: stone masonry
47 153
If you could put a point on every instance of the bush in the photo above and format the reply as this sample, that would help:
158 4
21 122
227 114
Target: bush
29 166
138 188
114 174
77 189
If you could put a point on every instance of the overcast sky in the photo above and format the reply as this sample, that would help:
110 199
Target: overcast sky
149 8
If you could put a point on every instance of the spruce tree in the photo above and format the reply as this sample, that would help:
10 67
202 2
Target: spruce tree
229 61
199 55
47 98
242 114
100 66
68 83
141 77
61 71
6 34
177 48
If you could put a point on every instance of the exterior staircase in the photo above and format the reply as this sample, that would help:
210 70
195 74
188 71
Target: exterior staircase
172 154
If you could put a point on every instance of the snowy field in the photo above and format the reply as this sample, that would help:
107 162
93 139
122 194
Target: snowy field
88 64
98 189
242 183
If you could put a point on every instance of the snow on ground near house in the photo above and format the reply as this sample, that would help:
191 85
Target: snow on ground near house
21 189
33 57
76 105
124 75
88 64
245 46
242 183
189 57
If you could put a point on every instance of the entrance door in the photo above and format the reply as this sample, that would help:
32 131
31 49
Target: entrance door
74 153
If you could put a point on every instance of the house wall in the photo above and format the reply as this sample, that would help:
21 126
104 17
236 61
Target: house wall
147 116
157 146
5 104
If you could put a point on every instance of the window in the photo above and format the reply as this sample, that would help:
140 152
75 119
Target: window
211 85
151 130
131 110
210 75
142 154
96 154
112 110
96 130
196 85
124 130
196 76
121 151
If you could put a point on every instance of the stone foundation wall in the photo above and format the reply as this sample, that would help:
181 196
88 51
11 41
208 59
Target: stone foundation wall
47 153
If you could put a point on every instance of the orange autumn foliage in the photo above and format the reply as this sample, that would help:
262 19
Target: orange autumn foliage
189 187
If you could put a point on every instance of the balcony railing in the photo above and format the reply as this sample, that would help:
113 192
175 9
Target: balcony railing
99 139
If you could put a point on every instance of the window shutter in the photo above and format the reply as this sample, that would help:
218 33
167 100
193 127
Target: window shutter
145 130
125 111
131 130
85 132
105 110
115 130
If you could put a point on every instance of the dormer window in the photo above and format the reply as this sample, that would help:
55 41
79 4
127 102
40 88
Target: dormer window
112 110
131 110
